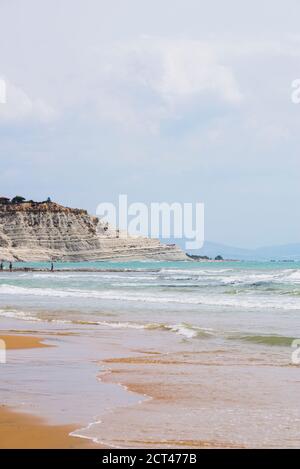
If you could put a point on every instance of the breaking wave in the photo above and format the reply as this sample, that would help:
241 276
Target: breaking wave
188 331
191 298
272 340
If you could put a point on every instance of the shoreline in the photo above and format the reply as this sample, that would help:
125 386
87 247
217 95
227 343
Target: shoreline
118 269
150 397
22 427
75 269
24 431
17 342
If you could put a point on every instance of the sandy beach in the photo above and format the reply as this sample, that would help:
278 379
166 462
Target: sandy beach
25 431
16 342
184 399
19 431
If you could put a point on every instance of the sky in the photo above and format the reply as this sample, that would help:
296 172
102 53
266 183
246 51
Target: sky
174 100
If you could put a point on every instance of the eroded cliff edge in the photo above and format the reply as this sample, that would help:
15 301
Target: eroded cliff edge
33 231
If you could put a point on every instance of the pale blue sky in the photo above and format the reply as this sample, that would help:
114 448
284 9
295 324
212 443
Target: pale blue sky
165 101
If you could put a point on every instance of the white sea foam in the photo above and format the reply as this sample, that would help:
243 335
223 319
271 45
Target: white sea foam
124 325
292 276
194 271
187 330
209 299
231 276
18 315
255 288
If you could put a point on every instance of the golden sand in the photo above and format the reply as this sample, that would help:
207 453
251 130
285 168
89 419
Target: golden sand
25 431
19 431
21 342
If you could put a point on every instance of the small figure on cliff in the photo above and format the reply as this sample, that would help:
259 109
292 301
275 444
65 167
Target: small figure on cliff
10 266
52 267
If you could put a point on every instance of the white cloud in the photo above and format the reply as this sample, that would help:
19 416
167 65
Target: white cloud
20 107
188 68
143 82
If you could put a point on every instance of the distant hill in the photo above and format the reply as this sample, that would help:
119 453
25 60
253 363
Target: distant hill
281 252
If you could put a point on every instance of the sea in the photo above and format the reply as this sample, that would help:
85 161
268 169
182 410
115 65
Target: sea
158 354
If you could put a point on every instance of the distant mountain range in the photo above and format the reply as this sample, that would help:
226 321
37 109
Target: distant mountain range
281 252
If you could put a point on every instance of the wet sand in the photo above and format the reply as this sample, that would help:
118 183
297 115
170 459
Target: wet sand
20 431
146 392
23 431
14 342
199 400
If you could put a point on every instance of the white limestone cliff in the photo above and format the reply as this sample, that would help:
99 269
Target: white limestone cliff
32 231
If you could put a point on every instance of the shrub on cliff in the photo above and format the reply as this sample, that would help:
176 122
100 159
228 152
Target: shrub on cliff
18 200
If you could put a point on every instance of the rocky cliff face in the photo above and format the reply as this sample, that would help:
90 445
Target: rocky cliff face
47 231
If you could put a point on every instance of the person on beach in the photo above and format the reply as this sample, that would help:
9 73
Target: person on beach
1 266
10 266
52 267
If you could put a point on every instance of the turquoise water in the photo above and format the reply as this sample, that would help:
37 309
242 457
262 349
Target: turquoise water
227 297
146 265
